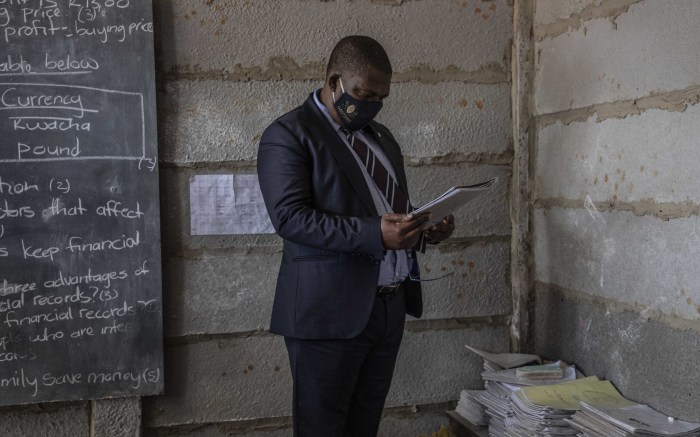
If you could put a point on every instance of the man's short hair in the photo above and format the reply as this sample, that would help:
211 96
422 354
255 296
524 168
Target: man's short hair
355 54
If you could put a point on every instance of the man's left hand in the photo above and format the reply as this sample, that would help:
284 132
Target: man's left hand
442 230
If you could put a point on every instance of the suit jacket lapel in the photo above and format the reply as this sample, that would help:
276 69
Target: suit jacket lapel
342 154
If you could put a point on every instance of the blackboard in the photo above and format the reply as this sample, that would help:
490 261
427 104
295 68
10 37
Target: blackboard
80 275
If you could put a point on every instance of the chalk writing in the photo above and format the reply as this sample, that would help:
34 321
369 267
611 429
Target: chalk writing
80 298
77 244
14 188
28 381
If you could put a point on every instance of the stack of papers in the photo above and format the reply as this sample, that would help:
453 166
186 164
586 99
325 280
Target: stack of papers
501 386
495 361
629 420
452 199
496 399
516 406
510 376
501 382
470 407
544 410
540 371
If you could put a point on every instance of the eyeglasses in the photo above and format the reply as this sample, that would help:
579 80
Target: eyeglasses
430 279
414 272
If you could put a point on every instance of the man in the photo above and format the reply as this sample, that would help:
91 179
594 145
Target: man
335 188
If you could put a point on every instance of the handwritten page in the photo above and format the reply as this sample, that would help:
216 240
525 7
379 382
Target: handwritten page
250 214
227 204
211 204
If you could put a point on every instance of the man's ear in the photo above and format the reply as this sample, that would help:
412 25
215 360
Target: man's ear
333 82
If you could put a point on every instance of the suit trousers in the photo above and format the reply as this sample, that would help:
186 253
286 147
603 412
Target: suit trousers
340 385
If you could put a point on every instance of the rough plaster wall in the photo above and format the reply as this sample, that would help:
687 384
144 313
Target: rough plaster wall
226 70
57 419
616 199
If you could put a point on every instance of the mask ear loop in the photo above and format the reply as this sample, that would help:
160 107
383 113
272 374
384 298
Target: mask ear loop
341 88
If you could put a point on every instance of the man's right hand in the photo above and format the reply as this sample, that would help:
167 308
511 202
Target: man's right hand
402 231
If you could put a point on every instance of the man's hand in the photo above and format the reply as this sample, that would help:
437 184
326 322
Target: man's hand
402 231
442 230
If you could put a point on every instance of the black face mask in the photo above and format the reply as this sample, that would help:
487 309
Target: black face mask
355 114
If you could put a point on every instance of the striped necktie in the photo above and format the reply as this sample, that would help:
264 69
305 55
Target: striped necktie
390 189
387 185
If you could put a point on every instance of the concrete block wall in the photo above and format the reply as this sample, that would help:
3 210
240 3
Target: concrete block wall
615 198
102 418
606 170
227 68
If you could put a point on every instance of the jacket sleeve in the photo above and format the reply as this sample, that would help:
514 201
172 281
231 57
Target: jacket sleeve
285 171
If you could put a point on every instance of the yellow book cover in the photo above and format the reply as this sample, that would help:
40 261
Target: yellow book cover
568 396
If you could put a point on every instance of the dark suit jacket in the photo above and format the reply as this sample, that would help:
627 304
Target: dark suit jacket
320 204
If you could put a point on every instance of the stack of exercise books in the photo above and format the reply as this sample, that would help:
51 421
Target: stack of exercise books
500 361
503 385
544 410
471 408
547 374
587 407
525 398
503 375
470 405
496 400
630 420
